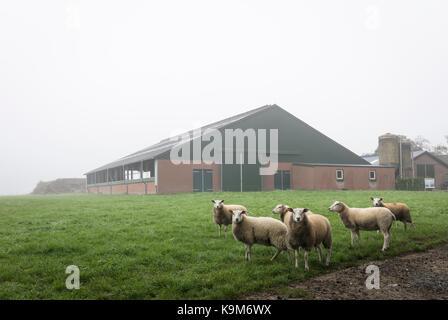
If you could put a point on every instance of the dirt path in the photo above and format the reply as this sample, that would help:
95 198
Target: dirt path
413 276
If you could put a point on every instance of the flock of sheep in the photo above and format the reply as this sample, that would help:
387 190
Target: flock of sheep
300 228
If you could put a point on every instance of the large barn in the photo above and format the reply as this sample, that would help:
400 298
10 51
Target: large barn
307 159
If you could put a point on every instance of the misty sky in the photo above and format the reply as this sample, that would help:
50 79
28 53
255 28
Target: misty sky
83 83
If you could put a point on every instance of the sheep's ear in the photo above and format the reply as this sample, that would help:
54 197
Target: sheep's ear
371 198
244 212
381 199
306 210
222 201
231 211
213 201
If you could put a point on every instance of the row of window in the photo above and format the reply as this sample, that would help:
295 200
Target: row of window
340 175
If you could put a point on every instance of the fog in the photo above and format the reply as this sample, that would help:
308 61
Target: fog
83 83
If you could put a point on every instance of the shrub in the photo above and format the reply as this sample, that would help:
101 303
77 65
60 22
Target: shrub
411 184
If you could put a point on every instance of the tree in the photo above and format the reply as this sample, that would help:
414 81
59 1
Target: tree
440 149
420 143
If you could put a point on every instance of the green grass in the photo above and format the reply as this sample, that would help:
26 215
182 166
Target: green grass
167 246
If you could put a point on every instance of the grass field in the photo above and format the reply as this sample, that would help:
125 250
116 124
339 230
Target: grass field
167 246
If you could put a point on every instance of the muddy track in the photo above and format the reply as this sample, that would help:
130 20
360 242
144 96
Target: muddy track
422 275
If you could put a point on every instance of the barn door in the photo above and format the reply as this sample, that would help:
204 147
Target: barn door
282 180
208 180
202 180
286 180
278 180
197 180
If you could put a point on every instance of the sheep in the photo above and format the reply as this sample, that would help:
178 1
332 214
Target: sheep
374 218
307 230
400 210
222 215
259 230
284 211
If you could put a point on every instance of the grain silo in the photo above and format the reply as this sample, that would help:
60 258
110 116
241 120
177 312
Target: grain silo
395 151
389 150
406 158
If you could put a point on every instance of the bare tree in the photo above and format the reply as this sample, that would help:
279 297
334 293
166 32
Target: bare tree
420 143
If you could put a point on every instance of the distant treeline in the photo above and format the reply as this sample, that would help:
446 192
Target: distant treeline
72 185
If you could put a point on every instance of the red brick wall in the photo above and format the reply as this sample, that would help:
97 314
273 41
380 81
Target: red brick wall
136 188
303 177
355 178
93 190
440 171
179 178
151 187
132 188
119 189
104 189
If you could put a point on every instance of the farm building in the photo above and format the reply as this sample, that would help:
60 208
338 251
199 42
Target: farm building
416 164
307 159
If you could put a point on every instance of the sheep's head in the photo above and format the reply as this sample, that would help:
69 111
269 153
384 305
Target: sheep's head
218 203
299 214
237 215
377 202
279 209
337 206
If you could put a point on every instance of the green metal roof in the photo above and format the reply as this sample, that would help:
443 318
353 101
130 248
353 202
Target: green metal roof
298 142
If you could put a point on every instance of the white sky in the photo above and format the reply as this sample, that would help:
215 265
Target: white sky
83 83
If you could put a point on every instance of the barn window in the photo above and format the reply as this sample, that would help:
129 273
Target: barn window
430 171
372 175
339 175
425 170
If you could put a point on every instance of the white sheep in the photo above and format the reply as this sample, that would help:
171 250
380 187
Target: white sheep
222 214
357 219
284 211
307 230
400 210
259 230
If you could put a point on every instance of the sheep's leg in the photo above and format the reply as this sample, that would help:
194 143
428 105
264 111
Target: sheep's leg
296 251
412 225
352 235
225 230
276 254
328 257
248 252
219 230
404 225
305 256
359 237
386 240
289 254
319 251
